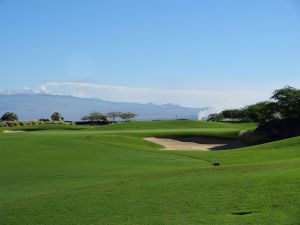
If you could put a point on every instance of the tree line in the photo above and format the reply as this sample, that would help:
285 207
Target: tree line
283 104
98 116
92 117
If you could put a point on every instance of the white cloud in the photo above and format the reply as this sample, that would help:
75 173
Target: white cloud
218 99
26 90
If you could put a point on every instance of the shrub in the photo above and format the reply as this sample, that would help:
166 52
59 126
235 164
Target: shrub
252 138
44 120
16 123
279 129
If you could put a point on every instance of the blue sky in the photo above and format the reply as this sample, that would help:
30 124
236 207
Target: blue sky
190 52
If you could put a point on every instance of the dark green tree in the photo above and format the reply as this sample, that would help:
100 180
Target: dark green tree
215 117
258 112
232 114
113 115
56 117
128 116
95 116
9 116
286 101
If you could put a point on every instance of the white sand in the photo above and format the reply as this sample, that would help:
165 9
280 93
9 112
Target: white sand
172 144
13 131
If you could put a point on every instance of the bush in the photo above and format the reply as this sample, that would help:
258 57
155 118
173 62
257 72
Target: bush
279 129
271 131
44 120
16 123
251 138
10 124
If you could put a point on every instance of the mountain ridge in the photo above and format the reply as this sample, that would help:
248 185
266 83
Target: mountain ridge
35 106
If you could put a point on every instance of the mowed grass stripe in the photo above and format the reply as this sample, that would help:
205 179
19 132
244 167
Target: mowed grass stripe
180 193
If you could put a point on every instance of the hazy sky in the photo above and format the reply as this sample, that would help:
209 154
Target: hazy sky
219 53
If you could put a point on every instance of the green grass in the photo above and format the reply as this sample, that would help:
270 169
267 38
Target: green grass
110 175
175 124
46 127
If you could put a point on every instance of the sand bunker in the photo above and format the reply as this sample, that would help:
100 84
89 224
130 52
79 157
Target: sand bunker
195 143
13 131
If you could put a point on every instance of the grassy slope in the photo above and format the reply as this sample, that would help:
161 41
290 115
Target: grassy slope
173 124
109 175
46 127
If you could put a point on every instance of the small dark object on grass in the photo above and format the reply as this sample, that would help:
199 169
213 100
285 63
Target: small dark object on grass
216 164
241 213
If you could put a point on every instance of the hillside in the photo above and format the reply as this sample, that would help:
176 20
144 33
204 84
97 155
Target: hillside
35 106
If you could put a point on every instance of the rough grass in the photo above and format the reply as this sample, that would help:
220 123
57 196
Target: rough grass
109 175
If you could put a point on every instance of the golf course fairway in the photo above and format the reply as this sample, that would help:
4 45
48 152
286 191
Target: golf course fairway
110 175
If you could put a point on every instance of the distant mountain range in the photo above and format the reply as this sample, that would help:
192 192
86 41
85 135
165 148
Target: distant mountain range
35 106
